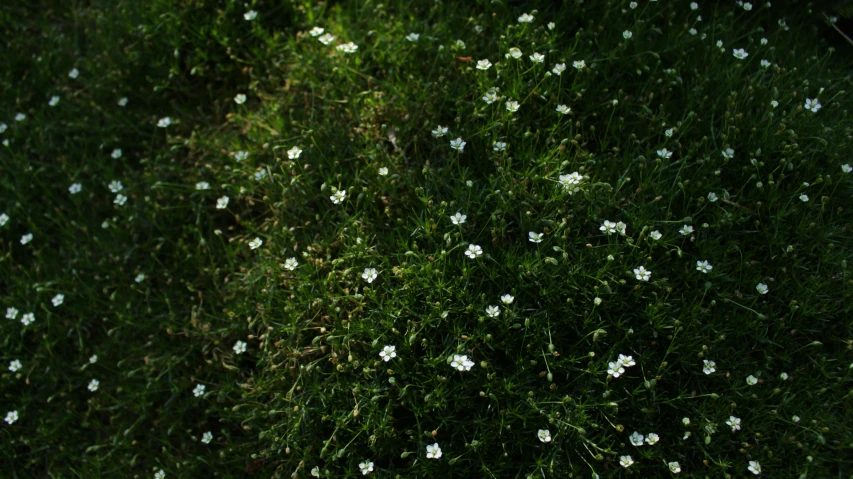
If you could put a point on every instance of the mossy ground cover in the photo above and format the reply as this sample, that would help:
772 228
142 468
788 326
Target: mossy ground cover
424 239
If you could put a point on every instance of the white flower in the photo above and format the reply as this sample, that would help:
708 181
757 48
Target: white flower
483 64
4 218
608 227
140 278
563 109
774 103
747 6
703 266
241 155
544 435
559 68
551 25
239 347
202 185
433 451
514 53
26 238
198 391
625 461
316 31
754 467
473 251
439 131
692 31
115 186
580 64
116 153
490 97
664 153
712 197
413 37
164 122
804 198
294 153
383 171
674 467
534 237
461 362
54 100
570 182
636 438
499 146
369 274
846 168
11 417
3 127
58 299
15 365
694 5
291 264
507 299
458 218
537 57
20 117
728 153
642 274
327 38
11 313
626 361
734 422
250 15
457 144
740 53
493 311
597 301
315 471
627 35
388 352
669 132
615 369
708 366
93 359
783 376
338 197
525 18
222 202
652 439
207 437
256 243
512 106
347 47
764 63
686 230
240 98
751 380
160 474
366 467
74 73
655 235
122 101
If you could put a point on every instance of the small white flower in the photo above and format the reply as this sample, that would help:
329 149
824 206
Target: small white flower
692 31
140 278
764 63
719 44
559 68
74 73
115 186
439 131
747 6
11 417
685 421
207 437
783 376
294 153
751 380
708 366
120 199
316 31
26 238
551 25
222 202
537 57
525 18
369 274
315 471
712 197
160 474
54 100
813 105
256 243
626 361
239 347
514 53
202 185
512 106
366 467
433 451
93 359
625 461
327 38
774 103
597 301
116 153
633 5
608 227
615 369
250 15
664 153
570 182
669 132
75 188
240 98
413 37
383 171
347 47
761 288
652 439
458 218
3 127
804 198
686 230
461 362
655 235
490 97
58 299
580 64
291 264
739 53
4 218
457 144
686 435
534 237
674 467
11 313
754 467
642 274
627 35
198 391
636 438
846 168
164 122
507 299
122 102
563 109
493 311
388 352
544 435
499 146
338 197
20 117
483 64
728 153
15 365
704 266
473 251
93 385
795 418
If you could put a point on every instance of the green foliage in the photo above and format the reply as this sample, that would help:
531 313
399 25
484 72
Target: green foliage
652 117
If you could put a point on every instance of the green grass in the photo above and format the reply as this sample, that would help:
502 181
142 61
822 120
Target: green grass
310 390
